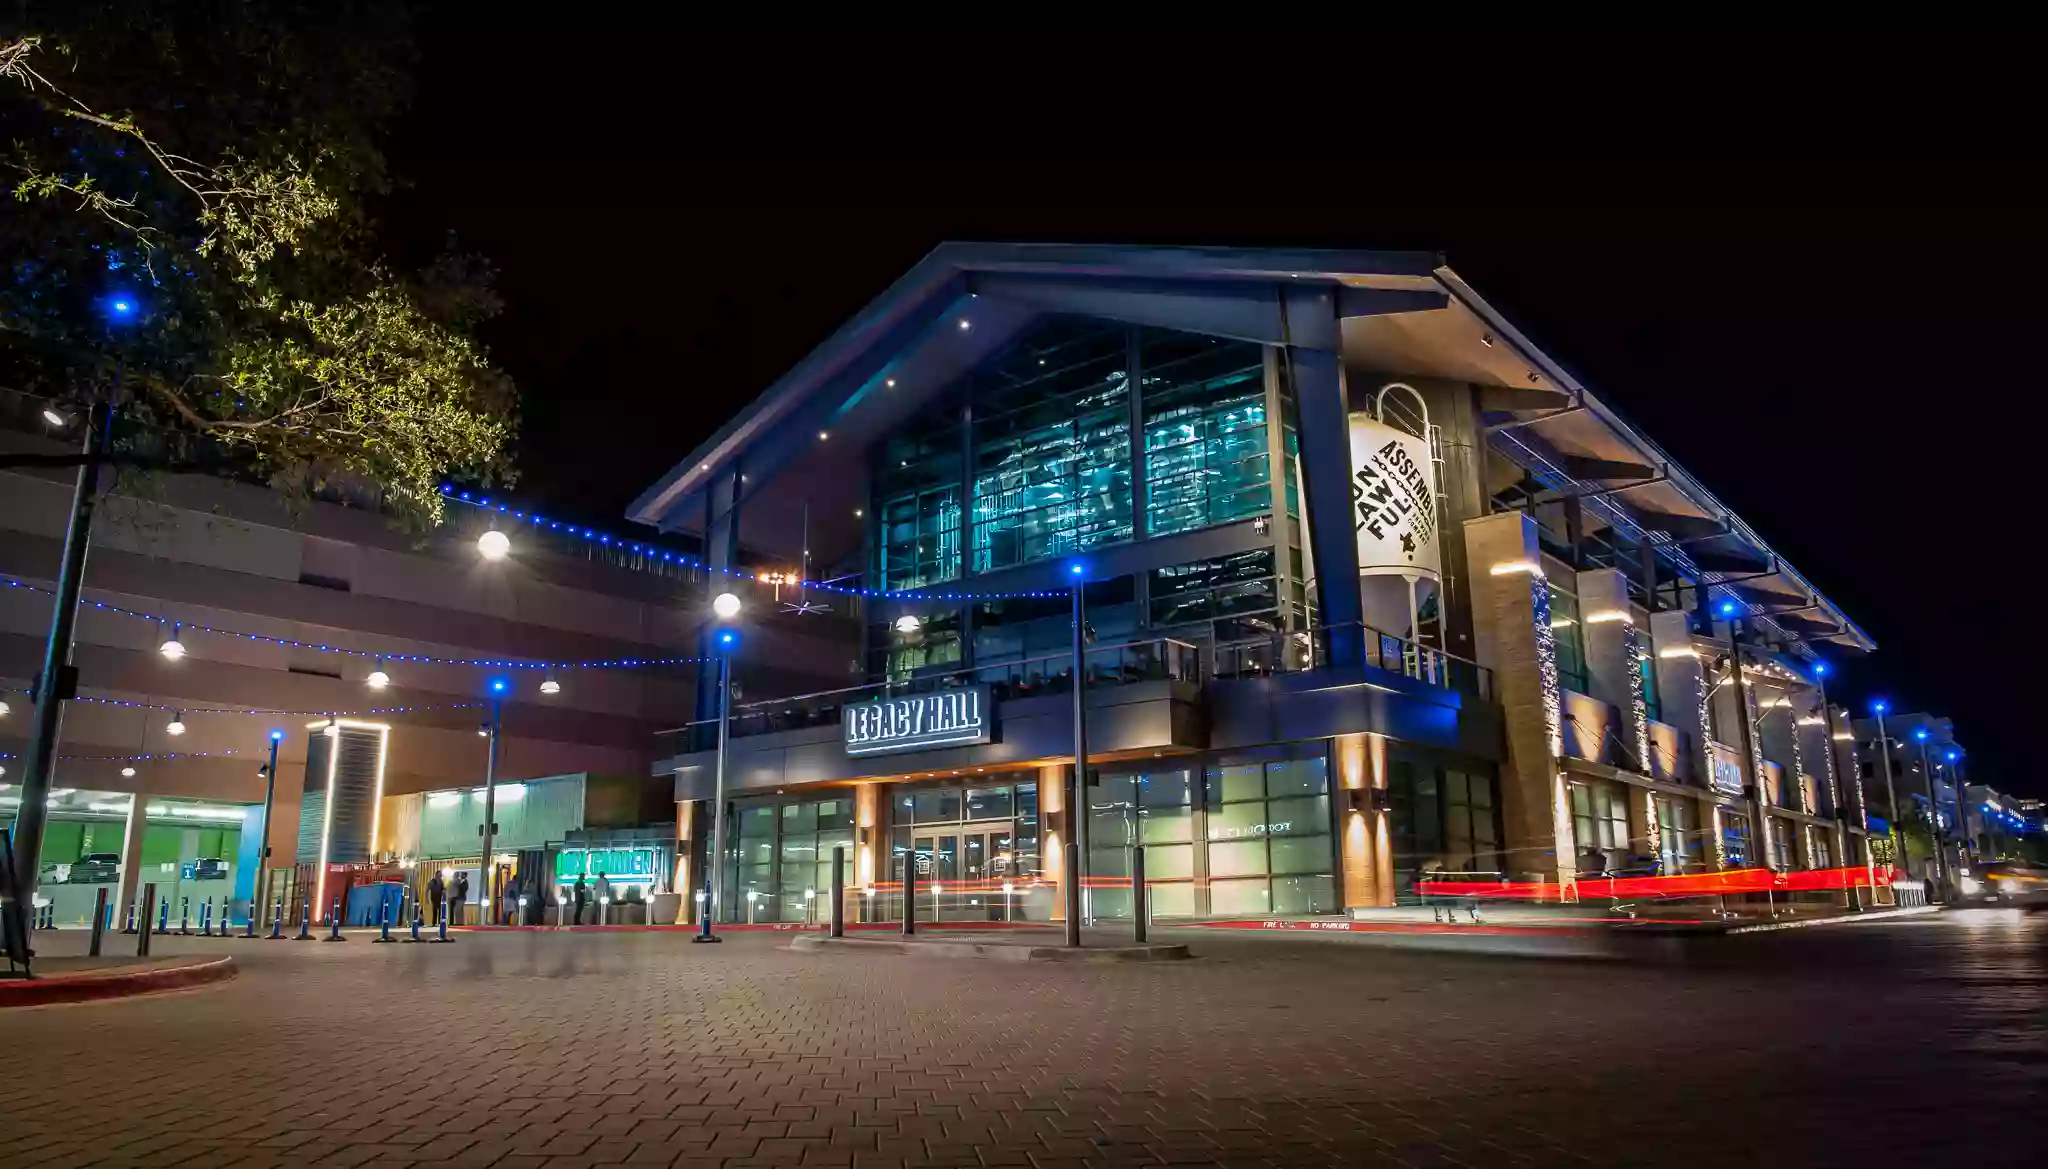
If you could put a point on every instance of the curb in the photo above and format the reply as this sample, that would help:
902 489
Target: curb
998 952
1843 919
91 987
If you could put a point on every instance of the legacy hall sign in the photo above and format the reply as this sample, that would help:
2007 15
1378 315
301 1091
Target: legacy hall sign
950 718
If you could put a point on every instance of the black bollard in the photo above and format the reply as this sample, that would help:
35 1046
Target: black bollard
910 893
838 890
1138 906
99 921
142 937
206 919
185 917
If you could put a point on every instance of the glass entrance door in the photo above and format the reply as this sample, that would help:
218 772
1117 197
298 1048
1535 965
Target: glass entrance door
962 872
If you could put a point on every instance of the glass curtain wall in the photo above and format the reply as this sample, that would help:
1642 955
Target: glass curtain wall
1052 432
1233 598
968 842
1443 818
917 501
1155 809
781 851
1206 460
1571 651
1269 842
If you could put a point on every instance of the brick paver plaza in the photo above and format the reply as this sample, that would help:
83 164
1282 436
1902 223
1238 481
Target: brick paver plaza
1913 1042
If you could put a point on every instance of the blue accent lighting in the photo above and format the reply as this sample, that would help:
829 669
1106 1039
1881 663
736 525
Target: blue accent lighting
1820 669
1879 707
1727 607
277 736
499 685
1920 733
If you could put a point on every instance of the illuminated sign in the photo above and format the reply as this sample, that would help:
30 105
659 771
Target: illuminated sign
918 722
630 866
1727 771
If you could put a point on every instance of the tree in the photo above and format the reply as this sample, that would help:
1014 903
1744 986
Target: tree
205 165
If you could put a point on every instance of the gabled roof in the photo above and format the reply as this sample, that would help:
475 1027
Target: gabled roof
1412 313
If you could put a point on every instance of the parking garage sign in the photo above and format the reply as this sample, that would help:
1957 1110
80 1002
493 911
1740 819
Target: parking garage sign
1393 501
917 722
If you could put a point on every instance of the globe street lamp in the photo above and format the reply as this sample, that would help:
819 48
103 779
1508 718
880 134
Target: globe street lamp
493 545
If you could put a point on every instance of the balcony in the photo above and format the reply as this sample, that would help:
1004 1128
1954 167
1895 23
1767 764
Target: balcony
1328 647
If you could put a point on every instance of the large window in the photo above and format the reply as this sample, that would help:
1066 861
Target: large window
1571 652
1735 839
1269 838
1784 850
1600 821
1444 816
917 501
1232 598
1052 457
1155 809
1678 845
1205 431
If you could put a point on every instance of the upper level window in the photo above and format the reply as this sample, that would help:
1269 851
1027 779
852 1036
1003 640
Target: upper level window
1205 431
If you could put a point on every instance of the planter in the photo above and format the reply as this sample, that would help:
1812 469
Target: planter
665 909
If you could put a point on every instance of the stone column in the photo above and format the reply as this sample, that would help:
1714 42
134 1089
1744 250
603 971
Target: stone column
1367 856
1683 683
869 846
1612 646
1511 636
1052 801
686 843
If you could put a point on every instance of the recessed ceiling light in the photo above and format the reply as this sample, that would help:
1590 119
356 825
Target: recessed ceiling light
891 383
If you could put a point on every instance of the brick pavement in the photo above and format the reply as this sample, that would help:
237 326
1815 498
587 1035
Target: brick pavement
1907 1043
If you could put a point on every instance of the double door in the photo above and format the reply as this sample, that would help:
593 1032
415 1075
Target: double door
962 870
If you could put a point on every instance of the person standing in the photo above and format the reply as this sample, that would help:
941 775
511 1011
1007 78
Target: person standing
604 894
581 896
437 893
459 898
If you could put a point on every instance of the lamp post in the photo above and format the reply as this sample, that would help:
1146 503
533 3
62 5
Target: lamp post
259 889
498 688
1933 813
1077 788
1827 732
726 608
1891 793
58 681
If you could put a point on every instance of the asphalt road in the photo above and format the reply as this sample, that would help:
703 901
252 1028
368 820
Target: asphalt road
1913 1042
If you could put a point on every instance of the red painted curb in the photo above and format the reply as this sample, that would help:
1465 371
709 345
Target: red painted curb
780 927
89 987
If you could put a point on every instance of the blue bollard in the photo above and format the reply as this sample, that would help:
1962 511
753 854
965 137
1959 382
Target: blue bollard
163 916
130 927
334 923
185 917
442 936
249 930
415 924
110 917
305 922
384 924
277 921
206 919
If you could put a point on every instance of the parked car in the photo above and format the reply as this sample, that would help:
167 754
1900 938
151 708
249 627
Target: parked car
211 868
96 868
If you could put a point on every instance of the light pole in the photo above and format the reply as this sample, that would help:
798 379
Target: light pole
259 889
1077 787
726 608
1827 731
1891 793
1940 874
498 688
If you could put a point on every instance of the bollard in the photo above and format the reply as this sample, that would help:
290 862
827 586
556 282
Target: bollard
142 938
277 921
838 890
910 893
130 927
415 923
185 917
442 937
305 922
1138 906
334 923
163 917
384 924
249 930
99 921
704 933
206 919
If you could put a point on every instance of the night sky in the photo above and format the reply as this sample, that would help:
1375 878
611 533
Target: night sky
1840 353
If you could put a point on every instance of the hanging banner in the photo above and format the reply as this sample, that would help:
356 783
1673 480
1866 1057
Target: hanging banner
1393 501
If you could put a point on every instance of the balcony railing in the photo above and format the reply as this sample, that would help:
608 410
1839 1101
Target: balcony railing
1152 660
1331 645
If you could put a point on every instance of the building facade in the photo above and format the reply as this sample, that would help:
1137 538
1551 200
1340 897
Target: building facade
1374 593
287 618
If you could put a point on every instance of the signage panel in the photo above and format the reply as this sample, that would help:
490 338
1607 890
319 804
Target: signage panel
1393 501
918 722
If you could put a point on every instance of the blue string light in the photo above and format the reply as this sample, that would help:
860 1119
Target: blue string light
136 758
384 655
688 561
260 710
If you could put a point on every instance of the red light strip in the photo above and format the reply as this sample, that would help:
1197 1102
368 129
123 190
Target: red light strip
1684 885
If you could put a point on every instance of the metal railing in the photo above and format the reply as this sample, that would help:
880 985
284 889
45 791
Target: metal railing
1331 646
1151 660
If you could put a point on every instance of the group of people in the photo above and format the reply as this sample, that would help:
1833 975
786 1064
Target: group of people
441 894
